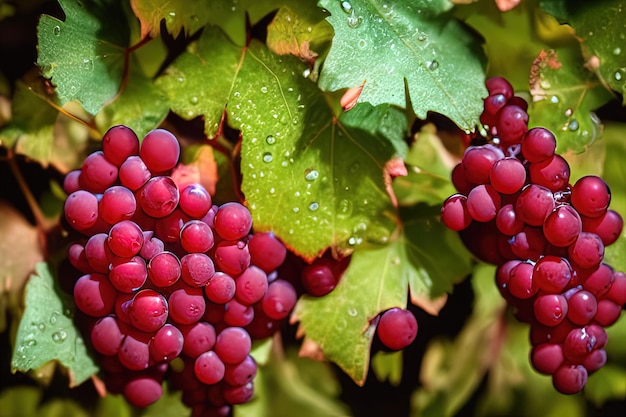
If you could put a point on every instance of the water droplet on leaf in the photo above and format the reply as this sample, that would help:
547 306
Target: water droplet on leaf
270 139
346 6
433 65
264 89
354 21
314 206
311 174
56 31
267 157
59 337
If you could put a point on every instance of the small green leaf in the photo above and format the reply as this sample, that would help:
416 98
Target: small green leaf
85 55
565 94
388 366
20 401
46 331
414 44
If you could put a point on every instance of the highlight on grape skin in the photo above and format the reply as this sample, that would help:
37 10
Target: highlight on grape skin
548 241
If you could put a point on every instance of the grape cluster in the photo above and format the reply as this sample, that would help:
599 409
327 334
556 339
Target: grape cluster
173 286
516 208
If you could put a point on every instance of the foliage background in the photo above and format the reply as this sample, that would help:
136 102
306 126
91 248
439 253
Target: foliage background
422 65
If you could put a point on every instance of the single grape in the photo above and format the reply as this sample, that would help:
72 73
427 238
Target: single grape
152 245
117 204
94 295
125 239
507 220
159 196
251 285
209 368
195 201
492 105
198 338
499 85
578 344
186 305
587 251
595 360
528 244
538 144
553 173
508 175
118 143
608 312
143 391
148 311
550 309
71 182
134 173
167 344
547 357
591 196
232 257
511 123
81 210
570 379
106 336
196 236
483 203
477 162
617 292
552 274
98 254
134 353
241 373
454 212
164 269
239 394
266 251
160 150
521 281
233 345
599 281
221 288
197 269
232 221
534 204
238 314
279 300
97 174
319 278
77 257
562 226
397 328
460 181
608 226
582 307
128 274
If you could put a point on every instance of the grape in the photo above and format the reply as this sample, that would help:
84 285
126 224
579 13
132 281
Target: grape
547 357
134 173
152 245
591 196
97 174
106 336
266 251
143 391
251 285
562 226
148 311
238 314
164 269
198 338
550 309
477 162
582 307
232 221
159 196
587 251
595 360
499 85
279 300
167 344
454 212
241 373
534 204
168 228
397 328
197 269
608 226
538 144
125 239
570 379
98 254
553 173
552 274
221 288
239 394
578 344
507 175
81 210
71 182
599 334
118 203
186 305
196 236
521 281
511 123
600 281
460 181
77 257
128 274
195 201
319 278
617 292
209 368
492 105
483 203
160 150
528 244
94 295
508 222
232 257
134 353
608 312
118 143
233 345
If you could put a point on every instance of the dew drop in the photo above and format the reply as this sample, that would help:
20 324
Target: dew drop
346 6
41 327
568 112
194 100
354 21
617 76
270 139
31 342
306 73
59 337
421 37
53 317
87 64
617 51
433 65
362 43
172 14
573 125
264 89
314 206
352 312
296 209
311 174
237 94
344 208
554 99
56 31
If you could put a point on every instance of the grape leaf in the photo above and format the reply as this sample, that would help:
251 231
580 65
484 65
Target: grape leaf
85 55
47 332
376 280
141 106
314 179
20 400
565 94
600 29
413 43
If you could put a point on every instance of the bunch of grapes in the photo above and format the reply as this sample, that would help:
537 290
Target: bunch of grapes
173 286
516 208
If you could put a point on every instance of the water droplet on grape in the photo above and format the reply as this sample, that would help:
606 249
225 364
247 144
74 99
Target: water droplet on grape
314 206
59 337
56 31
267 157
311 174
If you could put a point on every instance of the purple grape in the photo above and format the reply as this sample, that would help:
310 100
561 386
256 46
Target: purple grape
521 281
81 210
77 257
152 245
128 274
98 254
167 344
94 295
608 312
233 345
528 244
477 162
582 307
232 257
164 269
397 328
232 221
197 269
134 173
587 251
319 278
538 144
608 226
552 274
507 221
266 251
97 174
511 123
118 143
209 368
159 197
160 150
499 85
595 360
241 373
168 228
562 226
279 300
547 357
508 175
550 309
134 353
570 379
237 314
71 182
617 292
600 281
125 239
239 394
483 203
106 336
143 391
553 173
534 204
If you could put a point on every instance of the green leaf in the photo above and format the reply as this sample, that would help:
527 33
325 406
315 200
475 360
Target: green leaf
293 386
376 280
415 46
564 96
20 401
388 366
85 55
600 28
141 106
46 331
